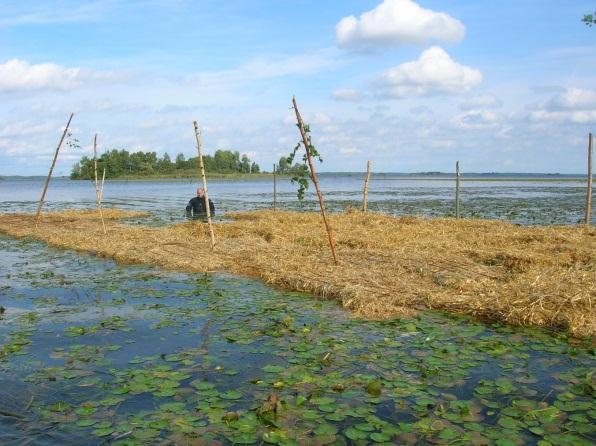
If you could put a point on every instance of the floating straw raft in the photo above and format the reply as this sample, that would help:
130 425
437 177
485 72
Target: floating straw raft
495 271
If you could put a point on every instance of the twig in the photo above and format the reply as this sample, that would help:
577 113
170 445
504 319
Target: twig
28 406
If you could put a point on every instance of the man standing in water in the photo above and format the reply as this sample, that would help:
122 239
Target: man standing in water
196 206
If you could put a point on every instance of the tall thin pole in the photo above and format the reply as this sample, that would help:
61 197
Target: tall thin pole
457 175
589 192
204 180
103 179
97 193
45 188
366 180
313 176
274 187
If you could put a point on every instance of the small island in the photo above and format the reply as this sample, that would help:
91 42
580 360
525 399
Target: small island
121 164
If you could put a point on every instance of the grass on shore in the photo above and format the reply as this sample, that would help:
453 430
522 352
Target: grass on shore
496 271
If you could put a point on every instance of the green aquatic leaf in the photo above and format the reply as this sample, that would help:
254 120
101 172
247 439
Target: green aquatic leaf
231 395
355 434
103 432
380 437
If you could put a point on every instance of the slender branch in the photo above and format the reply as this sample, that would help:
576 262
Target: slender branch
204 180
313 176
97 193
45 188
367 179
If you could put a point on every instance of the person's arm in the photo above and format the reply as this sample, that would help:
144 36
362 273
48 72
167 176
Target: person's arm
211 207
189 209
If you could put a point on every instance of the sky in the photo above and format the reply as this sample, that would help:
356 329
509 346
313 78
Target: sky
410 85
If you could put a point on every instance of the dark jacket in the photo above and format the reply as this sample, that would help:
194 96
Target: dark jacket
196 207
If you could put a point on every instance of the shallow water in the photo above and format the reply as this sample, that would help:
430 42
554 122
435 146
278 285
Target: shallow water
96 353
549 200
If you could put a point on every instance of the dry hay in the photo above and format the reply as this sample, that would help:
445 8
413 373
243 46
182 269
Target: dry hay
388 266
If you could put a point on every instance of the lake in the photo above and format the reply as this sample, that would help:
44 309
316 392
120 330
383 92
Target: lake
545 199
96 353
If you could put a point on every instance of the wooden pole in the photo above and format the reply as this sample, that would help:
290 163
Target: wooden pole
589 192
103 178
204 180
457 176
45 188
97 196
366 180
274 187
313 176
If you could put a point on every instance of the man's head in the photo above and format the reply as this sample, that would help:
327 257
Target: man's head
200 192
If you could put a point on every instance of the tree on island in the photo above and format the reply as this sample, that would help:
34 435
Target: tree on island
284 167
119 163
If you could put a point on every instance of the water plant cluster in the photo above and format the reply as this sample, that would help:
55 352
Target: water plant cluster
135 356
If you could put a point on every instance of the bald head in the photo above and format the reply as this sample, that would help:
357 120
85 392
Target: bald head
200 192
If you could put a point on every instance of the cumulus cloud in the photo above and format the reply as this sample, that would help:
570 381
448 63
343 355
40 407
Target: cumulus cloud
477 119
19 75
433 73
395 23
571 105
345 94
486 101
573 99
567 116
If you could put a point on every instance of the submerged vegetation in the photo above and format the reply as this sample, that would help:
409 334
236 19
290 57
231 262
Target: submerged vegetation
389 266
137 356
121 163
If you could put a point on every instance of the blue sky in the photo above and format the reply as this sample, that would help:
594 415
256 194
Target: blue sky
411 85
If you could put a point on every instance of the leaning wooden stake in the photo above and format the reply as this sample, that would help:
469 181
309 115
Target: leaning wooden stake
366 180
103 179
45 188
457 175
313 176
589 192
274 187
204 180
97 196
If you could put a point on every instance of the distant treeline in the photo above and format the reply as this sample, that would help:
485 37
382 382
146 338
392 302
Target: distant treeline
121 163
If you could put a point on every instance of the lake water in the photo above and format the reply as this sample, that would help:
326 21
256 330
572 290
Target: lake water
544 200
95 353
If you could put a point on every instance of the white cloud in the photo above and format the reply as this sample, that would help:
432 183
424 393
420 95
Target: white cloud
433 73
573 99
568 105
345 94
486 101
396 23
349 150
18 75
319 118
573 117
476 119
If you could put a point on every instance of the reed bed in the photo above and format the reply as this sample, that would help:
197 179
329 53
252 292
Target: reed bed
388 266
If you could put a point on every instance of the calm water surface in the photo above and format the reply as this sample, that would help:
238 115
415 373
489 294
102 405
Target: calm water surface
525 202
